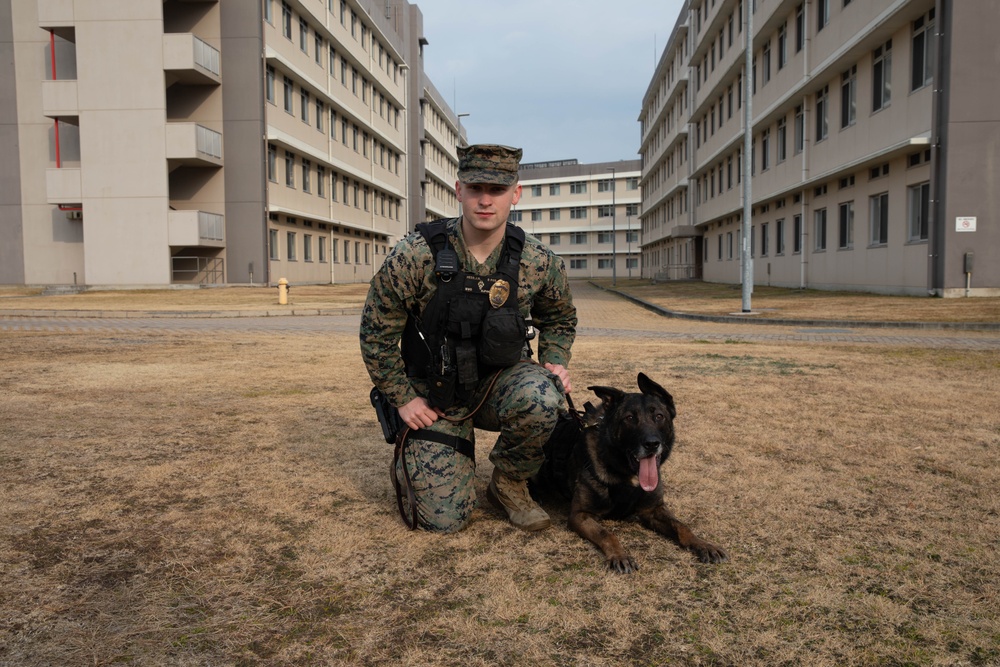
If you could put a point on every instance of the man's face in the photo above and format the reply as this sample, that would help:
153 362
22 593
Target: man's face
485 206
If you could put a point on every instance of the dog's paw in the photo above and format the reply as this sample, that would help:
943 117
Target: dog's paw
623 564
709 553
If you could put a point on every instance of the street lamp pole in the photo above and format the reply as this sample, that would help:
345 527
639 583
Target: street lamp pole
614 213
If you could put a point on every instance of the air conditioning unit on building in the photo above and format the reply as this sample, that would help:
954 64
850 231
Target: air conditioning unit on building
74 215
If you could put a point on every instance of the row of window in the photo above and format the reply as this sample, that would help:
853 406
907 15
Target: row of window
352 191
369 41
580 187
575 213
361 250
576 263
918 212
318 108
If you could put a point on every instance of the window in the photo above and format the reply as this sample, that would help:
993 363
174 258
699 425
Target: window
307 250
515 216
849 97
347 252
268 12
318 42
270 84
321 181
631 236
536 216
321 246
577 263
554 239
577 188
765 72
800 130
879 216
578 238
633 182
304 103
764 239
290 240
554 214
303 36
846 226
782 140
881 76
782 46
800 28
605 185
924 49
765 149
605 237
605 211
286 20
306 171
288 95
272 244
822 14
822 104
272 163
918 211
554 189
290 169
819 229
729 245
578 213
797 234
779 237
536 191
605 263
633 209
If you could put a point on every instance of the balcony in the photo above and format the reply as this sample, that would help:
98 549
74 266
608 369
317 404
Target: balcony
192 229
59 99
63 186
191 60
193 145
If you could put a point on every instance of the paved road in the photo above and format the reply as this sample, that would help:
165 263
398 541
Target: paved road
601 314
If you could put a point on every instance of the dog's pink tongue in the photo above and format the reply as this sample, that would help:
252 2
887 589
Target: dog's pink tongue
649 473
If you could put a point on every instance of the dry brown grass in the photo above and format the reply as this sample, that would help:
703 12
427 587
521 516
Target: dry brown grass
207 499
779 303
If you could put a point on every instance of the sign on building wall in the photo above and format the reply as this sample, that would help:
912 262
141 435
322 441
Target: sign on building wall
965 224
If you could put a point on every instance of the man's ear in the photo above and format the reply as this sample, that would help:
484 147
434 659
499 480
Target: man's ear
458 191
517 194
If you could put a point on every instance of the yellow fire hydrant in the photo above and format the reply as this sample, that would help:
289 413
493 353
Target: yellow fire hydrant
283 292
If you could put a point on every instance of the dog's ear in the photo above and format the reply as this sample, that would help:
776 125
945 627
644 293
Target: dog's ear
647 386
609 396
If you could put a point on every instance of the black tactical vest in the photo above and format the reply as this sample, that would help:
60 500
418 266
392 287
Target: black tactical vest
471 326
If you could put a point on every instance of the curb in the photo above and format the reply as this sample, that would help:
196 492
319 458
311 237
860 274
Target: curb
175 314
855 324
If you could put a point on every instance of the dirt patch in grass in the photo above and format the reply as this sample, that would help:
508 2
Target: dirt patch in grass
202 499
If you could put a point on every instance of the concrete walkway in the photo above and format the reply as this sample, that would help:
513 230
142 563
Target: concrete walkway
601 313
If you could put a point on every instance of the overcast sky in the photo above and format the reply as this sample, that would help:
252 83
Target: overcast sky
560 78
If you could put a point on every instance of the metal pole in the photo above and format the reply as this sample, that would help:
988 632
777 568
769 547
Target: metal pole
747 264
614 213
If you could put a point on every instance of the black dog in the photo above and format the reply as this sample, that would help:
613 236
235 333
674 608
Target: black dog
609 468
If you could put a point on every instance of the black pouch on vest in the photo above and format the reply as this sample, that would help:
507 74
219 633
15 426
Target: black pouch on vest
441 389
502 340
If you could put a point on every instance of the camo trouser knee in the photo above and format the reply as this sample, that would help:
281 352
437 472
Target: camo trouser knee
523 406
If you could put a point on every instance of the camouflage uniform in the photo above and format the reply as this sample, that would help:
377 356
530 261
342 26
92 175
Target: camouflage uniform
524 402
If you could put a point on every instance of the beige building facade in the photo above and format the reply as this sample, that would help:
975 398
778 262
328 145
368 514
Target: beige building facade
589 214
875 146
156 143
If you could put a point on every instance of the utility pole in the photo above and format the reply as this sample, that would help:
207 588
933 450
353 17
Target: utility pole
747 264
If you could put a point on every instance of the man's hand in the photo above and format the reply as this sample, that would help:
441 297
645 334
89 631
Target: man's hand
560 372
418 413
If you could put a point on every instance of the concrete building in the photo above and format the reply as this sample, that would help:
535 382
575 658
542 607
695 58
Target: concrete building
589 214
875 146
165 142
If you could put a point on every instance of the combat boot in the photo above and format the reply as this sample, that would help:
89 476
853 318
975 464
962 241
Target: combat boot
512 497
